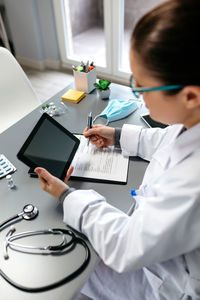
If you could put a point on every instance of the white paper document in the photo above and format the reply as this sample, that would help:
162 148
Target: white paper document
107 164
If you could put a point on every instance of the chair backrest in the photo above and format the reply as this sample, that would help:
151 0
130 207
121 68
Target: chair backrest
17 97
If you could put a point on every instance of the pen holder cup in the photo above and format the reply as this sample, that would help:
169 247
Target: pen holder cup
85 81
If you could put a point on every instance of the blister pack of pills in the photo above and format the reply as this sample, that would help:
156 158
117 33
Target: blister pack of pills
54 110
6 167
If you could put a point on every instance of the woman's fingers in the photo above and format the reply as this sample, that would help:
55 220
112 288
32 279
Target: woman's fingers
43 173
96 129
44 176
69 173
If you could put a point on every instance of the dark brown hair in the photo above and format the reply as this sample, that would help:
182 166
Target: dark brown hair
167 40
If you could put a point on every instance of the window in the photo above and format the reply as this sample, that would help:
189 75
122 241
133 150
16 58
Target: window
86 30
99 31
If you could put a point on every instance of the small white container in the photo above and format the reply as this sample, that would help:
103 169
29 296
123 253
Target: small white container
104 94
85 81
10 182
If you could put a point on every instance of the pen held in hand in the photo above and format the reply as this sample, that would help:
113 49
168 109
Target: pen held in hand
89 125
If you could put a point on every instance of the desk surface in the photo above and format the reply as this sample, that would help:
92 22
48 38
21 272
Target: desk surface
37 270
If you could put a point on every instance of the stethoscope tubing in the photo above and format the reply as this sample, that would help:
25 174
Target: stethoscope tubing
58 283
11 238
30 212
24 214
9 220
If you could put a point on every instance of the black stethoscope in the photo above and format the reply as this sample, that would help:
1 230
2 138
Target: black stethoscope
30 212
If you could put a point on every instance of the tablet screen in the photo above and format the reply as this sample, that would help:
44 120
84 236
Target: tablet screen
50 146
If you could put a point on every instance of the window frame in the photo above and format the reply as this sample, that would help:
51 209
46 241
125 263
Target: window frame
113 28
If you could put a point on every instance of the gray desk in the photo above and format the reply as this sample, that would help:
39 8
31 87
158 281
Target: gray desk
37 270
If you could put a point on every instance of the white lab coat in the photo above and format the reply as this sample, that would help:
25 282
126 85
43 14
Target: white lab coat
154 251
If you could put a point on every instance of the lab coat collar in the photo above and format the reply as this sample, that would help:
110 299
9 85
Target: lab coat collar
186 143
180 145
162 155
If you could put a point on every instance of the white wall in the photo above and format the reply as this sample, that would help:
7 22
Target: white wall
33 32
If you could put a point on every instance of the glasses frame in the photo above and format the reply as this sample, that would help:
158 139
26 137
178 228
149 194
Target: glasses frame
139 90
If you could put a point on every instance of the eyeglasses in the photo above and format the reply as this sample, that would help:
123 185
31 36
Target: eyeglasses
139 90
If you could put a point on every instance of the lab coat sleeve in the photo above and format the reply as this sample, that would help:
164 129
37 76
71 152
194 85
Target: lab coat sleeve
164 225
138 141
76 203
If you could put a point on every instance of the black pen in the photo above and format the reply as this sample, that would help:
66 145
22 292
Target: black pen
89 125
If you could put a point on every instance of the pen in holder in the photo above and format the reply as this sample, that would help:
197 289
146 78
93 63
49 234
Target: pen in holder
85 81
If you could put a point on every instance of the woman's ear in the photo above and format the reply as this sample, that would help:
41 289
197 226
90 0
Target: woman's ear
191 96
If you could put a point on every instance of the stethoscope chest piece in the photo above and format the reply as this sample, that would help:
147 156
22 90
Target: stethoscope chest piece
29 212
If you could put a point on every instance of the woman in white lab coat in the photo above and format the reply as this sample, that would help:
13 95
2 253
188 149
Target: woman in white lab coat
154 251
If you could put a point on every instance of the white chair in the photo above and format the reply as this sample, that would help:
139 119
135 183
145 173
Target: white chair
3 33
17 97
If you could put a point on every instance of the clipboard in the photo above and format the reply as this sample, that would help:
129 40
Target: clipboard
92 164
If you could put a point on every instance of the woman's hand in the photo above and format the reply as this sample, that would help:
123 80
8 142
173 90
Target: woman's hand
100 135
52 184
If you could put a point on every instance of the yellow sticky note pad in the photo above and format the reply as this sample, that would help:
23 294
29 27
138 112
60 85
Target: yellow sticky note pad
73 96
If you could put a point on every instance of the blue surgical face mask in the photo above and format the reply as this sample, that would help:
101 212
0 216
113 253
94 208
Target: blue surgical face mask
116 110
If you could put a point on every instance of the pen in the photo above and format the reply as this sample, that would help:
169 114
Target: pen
89 125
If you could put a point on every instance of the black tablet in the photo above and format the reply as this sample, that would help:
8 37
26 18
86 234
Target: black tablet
150 122
50 146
